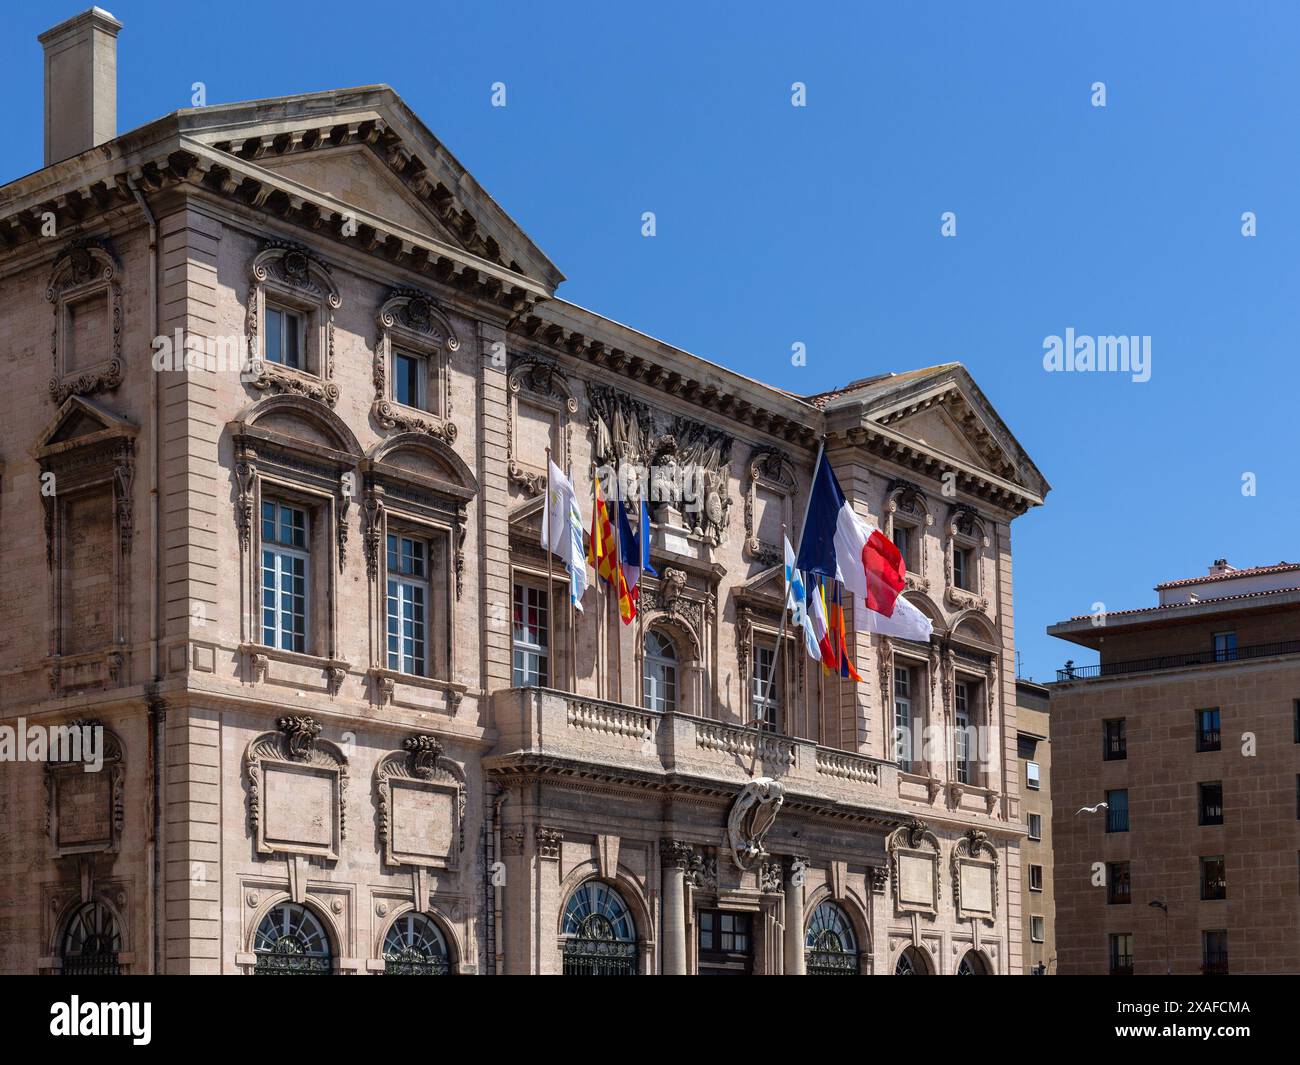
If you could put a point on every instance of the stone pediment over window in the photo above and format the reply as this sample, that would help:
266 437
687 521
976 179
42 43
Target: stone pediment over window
410 322
86 456
542 405
289 280
87 336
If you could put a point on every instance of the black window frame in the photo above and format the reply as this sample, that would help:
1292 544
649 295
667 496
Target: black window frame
1114 823
1214 888
1209 739
1114 748
1119 884
1201 806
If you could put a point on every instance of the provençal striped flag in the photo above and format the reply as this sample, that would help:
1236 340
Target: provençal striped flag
562 531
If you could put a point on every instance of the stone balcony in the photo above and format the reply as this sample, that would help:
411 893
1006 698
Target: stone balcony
561 734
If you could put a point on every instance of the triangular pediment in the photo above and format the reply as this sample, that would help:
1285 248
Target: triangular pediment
938 430
81 420
365 148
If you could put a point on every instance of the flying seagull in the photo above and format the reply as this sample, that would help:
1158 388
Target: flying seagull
1090 809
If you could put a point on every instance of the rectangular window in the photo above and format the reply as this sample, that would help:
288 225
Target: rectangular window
1035 826
903 541
1214 878
1117 810
1121 954
1114 740
961 745
767 689
903 718
531 637
963 575
1118 888
1036 928
1209 803
284 337
726 942
1031 776
284 576
1035 878
1225 646
1207 730
1295 722
410 380
408 604
1214 952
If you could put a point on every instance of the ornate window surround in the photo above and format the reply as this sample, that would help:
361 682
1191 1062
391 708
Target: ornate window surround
412 321
296 743
966 530
317 476
548 389
687 616
57 774
966 852
85 268
432 505
292 275
891 653
772 469
74 465
906 505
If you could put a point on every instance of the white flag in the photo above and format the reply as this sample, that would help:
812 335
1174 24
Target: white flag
907 622
562 531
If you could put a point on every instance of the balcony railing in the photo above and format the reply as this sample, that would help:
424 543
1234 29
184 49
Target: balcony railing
1121 965
1195 658
1116 748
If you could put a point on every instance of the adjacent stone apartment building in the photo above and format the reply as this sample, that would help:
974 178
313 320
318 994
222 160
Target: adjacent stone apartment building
1189 732
1034 736
349 726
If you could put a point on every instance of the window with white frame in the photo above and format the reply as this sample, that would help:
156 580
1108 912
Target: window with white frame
1031 776
532 659
903 718
961 728
1035 826
904 536
766 685
659 690
408 604
963 567
285 335
285 573
1035 878
1036 929
411 379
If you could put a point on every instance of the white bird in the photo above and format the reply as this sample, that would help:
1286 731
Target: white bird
1090 809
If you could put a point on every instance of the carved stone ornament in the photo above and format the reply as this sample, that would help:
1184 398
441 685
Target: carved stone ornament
297 790
549 389
689 462
83 271
290 272
914 852
410 320
549 842
751 817
974 866
903 497
84 810
772 470
965 529
420 797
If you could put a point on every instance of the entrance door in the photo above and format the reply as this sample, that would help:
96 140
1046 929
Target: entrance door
726 943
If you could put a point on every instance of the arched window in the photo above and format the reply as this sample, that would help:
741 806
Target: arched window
91 942
972 964
660 677
831 949
291 941
600 937
415 946
911 963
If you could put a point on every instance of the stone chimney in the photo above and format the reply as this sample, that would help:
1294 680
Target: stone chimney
1221 566
80 83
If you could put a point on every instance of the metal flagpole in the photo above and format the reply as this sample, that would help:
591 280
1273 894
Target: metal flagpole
573 612
771 677
803 527
618 608
548 520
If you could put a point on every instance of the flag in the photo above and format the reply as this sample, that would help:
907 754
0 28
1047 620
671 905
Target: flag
562 530
822 627
837 626
629 552
796 601
600 548
643 532
840 545
906 622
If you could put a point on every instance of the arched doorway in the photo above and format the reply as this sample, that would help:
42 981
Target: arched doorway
415 946
91 942
972 964
912 963
830 947
599 934
291 941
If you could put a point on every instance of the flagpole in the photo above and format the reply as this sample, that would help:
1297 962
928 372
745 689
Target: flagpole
771 677
581 561
803 527
548 519
618 577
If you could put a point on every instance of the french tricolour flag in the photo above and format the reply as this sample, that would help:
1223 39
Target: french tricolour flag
841 545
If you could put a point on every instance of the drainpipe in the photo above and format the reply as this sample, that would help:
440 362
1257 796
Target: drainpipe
498 953
157 710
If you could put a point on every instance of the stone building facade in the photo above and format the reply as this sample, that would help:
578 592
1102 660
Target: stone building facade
1188 730
352 728
1034 735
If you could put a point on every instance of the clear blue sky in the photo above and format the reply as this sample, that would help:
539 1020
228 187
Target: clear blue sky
821 224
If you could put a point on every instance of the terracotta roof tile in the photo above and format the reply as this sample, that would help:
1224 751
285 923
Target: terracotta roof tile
1253 571
1185 606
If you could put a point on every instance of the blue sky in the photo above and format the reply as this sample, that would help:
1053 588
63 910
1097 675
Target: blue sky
822 224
